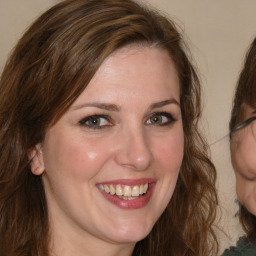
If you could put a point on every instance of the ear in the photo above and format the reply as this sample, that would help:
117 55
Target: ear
35 156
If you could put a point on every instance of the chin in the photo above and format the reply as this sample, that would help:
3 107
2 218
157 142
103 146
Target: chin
131 233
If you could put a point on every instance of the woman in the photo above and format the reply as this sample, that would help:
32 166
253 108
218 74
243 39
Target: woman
243 146
100 150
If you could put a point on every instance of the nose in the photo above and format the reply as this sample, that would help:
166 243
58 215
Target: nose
134 150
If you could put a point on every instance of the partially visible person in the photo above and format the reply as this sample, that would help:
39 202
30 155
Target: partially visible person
243 153
100 149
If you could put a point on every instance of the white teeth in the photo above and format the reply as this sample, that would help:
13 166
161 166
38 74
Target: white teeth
106 188
141 189
133 197
112 190
125 192
128 198
145 188
119 191
135 191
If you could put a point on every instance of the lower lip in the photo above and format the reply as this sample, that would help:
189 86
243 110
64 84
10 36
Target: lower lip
137 203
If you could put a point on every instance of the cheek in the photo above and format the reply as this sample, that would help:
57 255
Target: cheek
243 157
74 157
170 152
168 156
240 187
244 164
246 192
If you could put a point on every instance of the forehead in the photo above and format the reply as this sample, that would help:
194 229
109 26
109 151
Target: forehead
149 56
143 69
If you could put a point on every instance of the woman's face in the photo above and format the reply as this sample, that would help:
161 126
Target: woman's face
111 162
243 152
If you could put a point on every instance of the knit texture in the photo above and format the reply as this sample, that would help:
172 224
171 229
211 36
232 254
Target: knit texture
242 248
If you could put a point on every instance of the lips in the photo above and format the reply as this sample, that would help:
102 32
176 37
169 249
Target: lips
126 195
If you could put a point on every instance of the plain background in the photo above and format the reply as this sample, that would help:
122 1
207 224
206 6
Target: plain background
218 33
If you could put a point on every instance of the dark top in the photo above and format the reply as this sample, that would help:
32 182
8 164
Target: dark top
242 248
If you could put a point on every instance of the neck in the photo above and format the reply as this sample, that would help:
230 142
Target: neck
88 249
80 243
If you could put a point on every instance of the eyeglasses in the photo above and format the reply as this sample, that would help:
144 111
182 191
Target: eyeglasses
242 125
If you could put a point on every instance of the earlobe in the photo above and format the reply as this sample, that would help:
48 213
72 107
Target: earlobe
35 156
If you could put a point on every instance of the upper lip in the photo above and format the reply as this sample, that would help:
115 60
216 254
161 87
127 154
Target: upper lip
129 182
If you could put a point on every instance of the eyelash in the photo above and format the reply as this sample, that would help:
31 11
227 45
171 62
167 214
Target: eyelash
95 117
170 118
84 121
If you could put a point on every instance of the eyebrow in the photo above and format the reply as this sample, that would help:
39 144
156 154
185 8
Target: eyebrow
164 103
114 107
106 106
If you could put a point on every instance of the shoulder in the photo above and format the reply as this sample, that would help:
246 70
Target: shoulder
242 248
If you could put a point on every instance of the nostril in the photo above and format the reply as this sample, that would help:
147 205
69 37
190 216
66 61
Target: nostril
135 154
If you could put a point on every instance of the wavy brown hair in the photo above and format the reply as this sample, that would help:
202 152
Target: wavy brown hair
245 93
49 68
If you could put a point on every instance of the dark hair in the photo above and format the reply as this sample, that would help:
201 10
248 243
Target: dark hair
246 87
245 93
49 68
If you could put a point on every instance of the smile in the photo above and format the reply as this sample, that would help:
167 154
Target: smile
124 191
128 194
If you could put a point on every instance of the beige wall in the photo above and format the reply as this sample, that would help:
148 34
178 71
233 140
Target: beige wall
219 32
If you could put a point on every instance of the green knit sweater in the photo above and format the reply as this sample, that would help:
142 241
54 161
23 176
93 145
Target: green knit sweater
242 248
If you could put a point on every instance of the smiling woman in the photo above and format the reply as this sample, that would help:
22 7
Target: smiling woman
94 160
100 151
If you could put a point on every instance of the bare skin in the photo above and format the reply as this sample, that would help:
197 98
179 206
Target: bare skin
125 128
243 152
